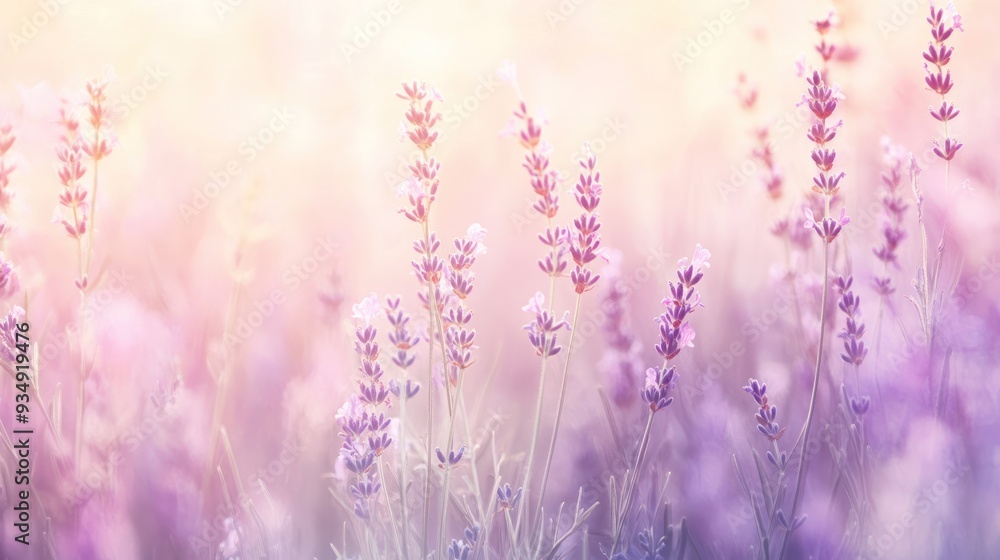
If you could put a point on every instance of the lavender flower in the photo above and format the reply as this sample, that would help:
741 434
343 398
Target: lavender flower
585 242
363 428
401 337
675 330
451 459
543 328
545 183
894 211
822 102
507 498
459 339
943 22
854 330
458 550
767 413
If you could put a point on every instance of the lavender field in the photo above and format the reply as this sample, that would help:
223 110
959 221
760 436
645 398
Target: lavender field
417 279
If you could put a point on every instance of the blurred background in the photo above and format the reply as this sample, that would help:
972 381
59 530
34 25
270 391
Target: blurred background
251 200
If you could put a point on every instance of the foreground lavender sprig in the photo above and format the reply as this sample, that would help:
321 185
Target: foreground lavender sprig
676 333
585 242
420 190
404 341
460 344
767 425
821 99
855 404
943 23
363 427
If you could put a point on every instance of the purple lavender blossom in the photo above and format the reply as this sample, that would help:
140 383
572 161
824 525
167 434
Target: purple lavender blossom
363 428
543 328
854 330
585 242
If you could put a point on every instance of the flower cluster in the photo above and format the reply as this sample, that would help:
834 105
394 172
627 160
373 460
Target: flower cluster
894 209
507 497
403 340
459 340
544 182
543 328
767 425
98 116
74 196
771 176
826 48
622 362
365 429
675 328
854 329
943 22
420 119
585 241
821 100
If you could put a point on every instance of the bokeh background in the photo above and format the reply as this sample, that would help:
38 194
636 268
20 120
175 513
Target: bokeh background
257 160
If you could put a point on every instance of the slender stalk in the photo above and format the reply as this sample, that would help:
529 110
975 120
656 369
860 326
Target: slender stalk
93 205
812 399
561 403
388 507
538 411
447 472
402 467
629 489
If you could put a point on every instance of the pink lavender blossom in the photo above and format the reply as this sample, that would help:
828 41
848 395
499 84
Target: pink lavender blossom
459 339
585 241
675 329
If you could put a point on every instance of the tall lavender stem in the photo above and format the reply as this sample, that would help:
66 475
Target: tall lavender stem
821 100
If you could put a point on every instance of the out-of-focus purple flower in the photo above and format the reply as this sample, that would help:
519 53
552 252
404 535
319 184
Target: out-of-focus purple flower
894 211
458 550
366 310
622 363
9 284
